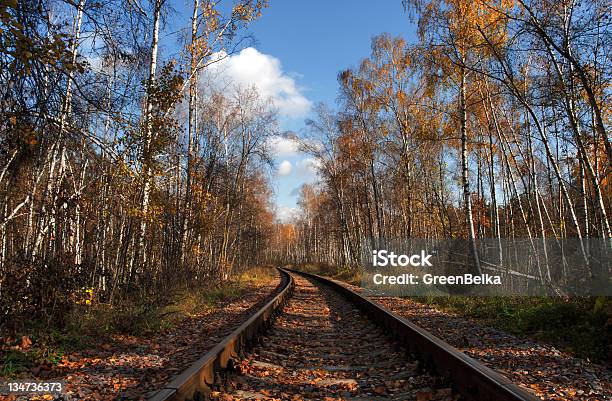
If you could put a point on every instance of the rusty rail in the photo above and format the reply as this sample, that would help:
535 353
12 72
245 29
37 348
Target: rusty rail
471 378
194 383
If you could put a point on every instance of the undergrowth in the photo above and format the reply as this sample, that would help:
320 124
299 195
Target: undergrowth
87 326
581 326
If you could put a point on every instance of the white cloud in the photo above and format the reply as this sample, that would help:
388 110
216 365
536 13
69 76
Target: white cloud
286 214
285 168
282 146
308 169
250 67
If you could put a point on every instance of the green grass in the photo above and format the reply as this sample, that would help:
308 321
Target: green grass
13 363
16 362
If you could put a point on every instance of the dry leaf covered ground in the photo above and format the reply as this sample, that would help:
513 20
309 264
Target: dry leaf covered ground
323 348
547 372
131 367
128 367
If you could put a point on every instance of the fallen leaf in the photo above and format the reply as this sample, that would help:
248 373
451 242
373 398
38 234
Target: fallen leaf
26 342
380 389
424 395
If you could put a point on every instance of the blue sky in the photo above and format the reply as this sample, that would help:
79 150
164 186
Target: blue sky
299 48
316 39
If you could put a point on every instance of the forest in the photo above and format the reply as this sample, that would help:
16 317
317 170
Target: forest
126 173
123 174
493 126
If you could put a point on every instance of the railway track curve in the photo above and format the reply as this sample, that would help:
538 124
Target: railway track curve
318 340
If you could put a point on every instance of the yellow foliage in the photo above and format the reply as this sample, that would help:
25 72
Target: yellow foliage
84 296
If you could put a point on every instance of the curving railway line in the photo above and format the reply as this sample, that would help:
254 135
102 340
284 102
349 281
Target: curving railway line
318 340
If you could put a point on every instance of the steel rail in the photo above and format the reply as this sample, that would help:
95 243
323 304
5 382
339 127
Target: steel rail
471 378
194 383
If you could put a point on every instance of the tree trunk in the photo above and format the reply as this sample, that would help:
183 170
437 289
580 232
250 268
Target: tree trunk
464 172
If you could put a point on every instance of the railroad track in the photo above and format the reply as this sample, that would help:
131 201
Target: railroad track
329 343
